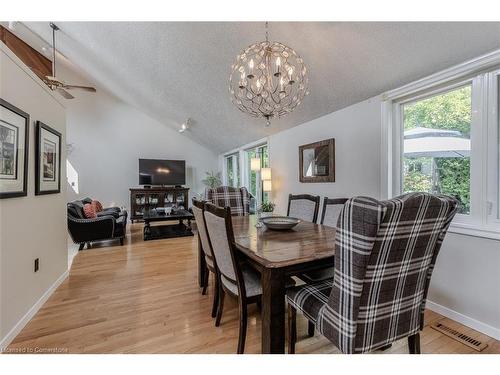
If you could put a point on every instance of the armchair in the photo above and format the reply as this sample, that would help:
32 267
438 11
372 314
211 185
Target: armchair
227 196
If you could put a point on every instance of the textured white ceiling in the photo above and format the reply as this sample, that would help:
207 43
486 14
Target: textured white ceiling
176 70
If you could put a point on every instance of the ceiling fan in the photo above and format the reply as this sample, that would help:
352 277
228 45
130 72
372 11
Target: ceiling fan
56 84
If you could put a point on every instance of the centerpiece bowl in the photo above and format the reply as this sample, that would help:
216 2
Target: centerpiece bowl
280 222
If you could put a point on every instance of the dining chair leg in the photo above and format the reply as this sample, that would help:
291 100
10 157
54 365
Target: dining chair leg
205 282
292 329
243 327
216 297
220 307
414 343
310 328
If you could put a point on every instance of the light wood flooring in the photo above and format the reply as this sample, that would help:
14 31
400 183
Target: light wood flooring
143 297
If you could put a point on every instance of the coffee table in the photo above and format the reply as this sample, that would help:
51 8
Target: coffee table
167 231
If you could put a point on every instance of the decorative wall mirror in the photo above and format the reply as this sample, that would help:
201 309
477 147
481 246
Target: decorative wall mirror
317 161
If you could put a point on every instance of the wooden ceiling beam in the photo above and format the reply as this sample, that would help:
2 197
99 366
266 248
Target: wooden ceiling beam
38 63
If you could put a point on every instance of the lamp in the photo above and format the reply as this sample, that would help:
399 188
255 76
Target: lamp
255 164
265 174
267 185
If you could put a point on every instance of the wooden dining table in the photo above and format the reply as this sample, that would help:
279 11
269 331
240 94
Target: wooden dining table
278 255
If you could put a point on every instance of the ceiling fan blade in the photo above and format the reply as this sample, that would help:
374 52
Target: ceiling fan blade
64 93
85 88
54 79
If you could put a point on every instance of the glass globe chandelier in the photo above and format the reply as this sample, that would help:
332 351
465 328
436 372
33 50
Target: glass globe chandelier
268 79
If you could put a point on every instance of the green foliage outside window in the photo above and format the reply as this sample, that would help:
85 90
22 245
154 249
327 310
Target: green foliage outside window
233 170
212 179
455 180
448 111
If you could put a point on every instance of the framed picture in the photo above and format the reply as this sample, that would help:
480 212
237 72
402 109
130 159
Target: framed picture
47 160
14 142
317 161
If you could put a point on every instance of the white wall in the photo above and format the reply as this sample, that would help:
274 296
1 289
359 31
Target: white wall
466 282
355 128
32 226
108 137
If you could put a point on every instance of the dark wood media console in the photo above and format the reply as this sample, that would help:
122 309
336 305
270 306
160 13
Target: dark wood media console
143 199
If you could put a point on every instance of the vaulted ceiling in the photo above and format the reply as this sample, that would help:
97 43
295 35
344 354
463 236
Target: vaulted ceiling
176 70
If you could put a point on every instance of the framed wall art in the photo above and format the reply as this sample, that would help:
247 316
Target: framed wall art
47 160
317 161
14 146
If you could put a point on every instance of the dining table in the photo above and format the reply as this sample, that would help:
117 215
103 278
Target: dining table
277 255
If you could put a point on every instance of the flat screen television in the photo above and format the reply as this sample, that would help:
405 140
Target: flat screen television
162 172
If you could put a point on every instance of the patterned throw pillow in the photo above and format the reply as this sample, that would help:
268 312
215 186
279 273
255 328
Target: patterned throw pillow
89 211
97 206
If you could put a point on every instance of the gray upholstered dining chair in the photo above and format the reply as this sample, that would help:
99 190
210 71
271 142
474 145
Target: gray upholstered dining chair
236 279
198 208
331 211
303 206
329 216
385 254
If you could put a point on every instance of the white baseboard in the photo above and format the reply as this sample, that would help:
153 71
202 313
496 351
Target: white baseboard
72 252
465 320
31 312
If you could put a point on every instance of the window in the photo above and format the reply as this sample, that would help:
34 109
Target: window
494 135
237 170
254 184
494 147
437 145
443 136
496 166
232 170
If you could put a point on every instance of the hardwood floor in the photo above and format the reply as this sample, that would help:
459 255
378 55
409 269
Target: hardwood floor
143 297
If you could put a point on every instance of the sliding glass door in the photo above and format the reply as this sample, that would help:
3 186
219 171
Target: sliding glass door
253 176
232 169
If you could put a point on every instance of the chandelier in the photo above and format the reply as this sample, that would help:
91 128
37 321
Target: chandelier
268 79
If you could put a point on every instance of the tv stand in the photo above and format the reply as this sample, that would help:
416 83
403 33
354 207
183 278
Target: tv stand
143 199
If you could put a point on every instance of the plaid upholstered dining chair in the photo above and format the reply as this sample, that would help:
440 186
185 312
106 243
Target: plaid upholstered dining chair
303 206
227 196
385 254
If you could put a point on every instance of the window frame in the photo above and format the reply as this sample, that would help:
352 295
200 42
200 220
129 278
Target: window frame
244 164
493 148
483 74
398 116
259 196
236 167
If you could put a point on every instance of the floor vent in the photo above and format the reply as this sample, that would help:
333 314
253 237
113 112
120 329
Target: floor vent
460 337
